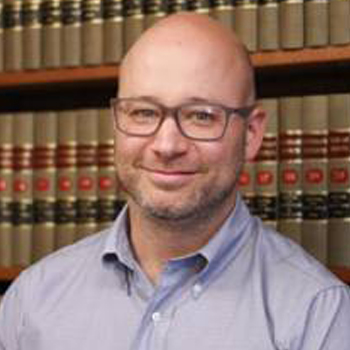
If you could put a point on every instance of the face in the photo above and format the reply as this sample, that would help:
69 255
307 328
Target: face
167 175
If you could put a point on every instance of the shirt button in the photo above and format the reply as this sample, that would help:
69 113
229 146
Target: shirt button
156 316
197 288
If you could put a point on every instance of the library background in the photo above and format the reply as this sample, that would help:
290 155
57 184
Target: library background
59 68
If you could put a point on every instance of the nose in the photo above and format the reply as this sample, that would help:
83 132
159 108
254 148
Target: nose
169 142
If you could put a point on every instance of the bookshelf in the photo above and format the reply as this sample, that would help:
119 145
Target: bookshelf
284 72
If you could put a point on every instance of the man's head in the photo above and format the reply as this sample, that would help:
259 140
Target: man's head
186 59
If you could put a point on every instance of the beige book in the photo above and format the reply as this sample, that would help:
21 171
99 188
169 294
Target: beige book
316 23
66 162
291 24
199 6
268 29
339 22
1 36
43 241
246 185
87 140
223 11
92 32
31 37
154 11
266 166
6 155
339 180
71 33
22 135
314 153
133 24
290 167
12 35
51 33
174 6
112 31
107 184
246 23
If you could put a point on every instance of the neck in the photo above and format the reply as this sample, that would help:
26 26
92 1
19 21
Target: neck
155 242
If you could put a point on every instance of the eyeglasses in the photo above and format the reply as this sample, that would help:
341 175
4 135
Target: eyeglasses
199 121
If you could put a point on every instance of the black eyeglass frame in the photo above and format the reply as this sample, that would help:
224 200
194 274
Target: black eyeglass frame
243 112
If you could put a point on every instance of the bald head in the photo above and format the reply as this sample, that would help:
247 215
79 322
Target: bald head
190 46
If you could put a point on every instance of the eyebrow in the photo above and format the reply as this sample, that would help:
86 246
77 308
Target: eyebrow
187 100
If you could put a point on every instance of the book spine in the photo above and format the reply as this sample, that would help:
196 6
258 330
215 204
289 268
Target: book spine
71 33
43 234
112 31
314 153
87 139
223 11
174 6
339 180
133 22
66 162
199 6
268 29
266 167
1 36
6 162
107 186
92 32
291 24
246 185
12 35
31 38
246 23
22 188
317 23
339 22
290 168
154 11
51 33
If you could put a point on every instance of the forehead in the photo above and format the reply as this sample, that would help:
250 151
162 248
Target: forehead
174 71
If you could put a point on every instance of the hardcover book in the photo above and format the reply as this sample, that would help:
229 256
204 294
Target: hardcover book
154 11
1 36
339 22
200 6
223 11
268 28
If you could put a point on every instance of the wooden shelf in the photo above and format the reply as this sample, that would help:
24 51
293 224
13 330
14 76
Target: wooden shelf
10 273
262 60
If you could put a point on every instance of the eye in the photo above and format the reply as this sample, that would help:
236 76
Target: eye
143 114
201 117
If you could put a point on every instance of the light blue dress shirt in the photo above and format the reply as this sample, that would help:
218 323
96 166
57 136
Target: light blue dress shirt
247 289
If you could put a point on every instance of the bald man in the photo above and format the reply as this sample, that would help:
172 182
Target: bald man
185 265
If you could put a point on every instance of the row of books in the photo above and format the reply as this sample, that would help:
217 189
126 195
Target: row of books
57 177
300 180
40 34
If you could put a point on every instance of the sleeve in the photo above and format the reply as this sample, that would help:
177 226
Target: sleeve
326 325
11 318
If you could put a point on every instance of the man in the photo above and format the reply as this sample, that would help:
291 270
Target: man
185 265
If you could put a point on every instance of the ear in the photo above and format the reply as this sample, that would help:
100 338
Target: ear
256 124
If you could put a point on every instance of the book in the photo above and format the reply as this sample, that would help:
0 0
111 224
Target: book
44 153
199 6
290 167
112 31
31 36
66 162
174 6
154 11
291 24
316 22
107 184
134 22
1 36
22 220
315 180
87 140
92 32
246 185
268 29
51 33
71 33
266 166
339 22
12 36
6 158
246 23
223 11
339 180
